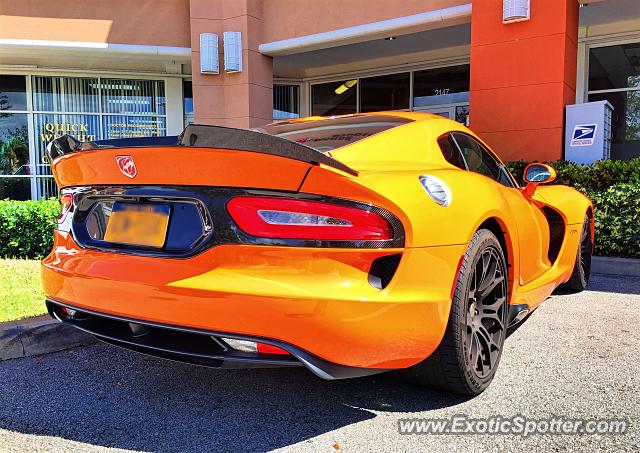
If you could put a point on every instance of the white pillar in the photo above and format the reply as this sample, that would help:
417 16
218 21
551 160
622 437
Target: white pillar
582 74
175 111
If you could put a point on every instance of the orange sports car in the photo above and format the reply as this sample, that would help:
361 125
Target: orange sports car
350 245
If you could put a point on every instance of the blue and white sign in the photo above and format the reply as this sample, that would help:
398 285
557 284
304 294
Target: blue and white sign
587 133
583 135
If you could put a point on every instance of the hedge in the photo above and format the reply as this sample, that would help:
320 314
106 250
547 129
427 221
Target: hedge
613 185
617 220
26 228
614 188
589 179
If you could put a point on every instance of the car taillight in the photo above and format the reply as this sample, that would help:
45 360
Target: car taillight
66 202
285 218
264 348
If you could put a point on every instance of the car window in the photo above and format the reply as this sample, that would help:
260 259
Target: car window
451 152
505 177
479 160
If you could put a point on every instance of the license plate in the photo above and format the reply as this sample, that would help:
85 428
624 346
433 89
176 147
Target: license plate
138 224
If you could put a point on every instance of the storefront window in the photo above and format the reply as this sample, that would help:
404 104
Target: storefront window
334 98
14 144
614 76
286 102
64 94
614 67
15 188
133 96
441 86
187 94
47 126
187 102
14 139
442 91
387 92
462 114
88 108
625 130
123 126
13 93
14 156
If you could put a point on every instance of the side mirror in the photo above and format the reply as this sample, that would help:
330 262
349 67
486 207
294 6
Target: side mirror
536 174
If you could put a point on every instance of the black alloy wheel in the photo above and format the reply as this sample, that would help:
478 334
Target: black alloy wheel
467 358
582 268
586 248
486 312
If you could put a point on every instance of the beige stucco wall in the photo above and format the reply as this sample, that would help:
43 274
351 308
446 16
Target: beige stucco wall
237 99
146 22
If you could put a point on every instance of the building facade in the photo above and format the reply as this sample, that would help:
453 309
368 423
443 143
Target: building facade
128 69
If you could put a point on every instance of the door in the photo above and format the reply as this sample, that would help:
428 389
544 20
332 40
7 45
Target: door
533 231
457 112
447 112
533 236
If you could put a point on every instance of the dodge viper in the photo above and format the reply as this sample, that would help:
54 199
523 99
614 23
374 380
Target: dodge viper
349 245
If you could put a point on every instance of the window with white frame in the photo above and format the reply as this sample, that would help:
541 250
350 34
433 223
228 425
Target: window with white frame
14 139
424 89
187 102
334 98
614 76
286 102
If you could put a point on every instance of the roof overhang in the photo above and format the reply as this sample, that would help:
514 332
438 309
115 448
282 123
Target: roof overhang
366 32
35 47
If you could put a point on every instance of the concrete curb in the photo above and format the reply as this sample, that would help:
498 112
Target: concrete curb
40 335
609 265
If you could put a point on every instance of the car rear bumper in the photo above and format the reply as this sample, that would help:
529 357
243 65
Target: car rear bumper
195 346
318 302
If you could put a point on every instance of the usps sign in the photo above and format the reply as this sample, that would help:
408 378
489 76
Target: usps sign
583 135
587 133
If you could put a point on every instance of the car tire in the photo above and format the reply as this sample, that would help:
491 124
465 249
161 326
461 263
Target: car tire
582 268
469 353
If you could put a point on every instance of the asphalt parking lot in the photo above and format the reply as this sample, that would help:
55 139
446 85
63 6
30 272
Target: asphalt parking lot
577 356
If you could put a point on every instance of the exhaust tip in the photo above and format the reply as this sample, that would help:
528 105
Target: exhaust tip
517 313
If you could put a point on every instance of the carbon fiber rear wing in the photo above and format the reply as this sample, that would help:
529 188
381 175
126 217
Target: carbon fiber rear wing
203 136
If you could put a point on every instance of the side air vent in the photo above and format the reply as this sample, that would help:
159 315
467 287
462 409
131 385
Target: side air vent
382 270
556 232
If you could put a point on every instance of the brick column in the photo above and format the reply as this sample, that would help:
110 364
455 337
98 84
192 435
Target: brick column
522 76
237 100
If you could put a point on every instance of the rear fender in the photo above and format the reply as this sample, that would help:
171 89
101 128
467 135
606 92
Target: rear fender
426 223
324 181
570 204
572 207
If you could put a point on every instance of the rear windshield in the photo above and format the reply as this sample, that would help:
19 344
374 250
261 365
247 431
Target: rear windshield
331 133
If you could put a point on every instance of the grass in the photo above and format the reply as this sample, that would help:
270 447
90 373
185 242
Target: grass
21 294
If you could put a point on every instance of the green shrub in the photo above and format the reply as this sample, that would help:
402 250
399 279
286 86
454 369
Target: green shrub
614 188
588 178
617 220
26 228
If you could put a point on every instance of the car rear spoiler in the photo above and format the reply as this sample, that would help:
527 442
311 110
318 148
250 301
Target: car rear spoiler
204 136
